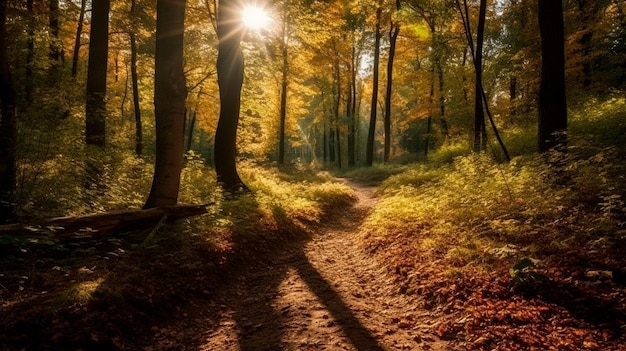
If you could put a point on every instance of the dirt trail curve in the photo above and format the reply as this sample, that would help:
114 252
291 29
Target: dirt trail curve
326 294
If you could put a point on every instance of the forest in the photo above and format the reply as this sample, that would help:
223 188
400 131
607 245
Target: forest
312 175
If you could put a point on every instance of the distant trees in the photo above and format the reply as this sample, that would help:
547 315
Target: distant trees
170 92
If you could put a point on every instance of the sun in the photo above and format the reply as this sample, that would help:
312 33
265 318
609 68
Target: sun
255 17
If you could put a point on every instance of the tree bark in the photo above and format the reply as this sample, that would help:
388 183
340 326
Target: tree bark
79 32
135 83
55 45
8 127
393 37
480 141
106 224
369 157
170 92
283 91
552 100
95 115
230 80
30 52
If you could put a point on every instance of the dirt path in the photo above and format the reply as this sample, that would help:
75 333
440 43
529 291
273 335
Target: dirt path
325 294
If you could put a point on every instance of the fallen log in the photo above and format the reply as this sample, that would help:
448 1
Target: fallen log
105 224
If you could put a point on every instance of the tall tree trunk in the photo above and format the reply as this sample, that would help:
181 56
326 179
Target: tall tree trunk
170 92
230 80
283 90
369 157
431 102
79 32
442 100
479 113
349 106
336 109
8 126
192 126
55 44
30 51
95 116
552 101
393 37
135 82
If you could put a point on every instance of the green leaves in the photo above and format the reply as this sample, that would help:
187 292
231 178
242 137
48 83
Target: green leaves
524 274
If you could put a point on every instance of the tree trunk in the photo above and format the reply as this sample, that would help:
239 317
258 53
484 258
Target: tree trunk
393 37
283 91
369 157
30 52
105 224
95 116
351 106
552 101
170 92
336 109
55 44
230 79
8 126
79 32
135 83
479 113
442 100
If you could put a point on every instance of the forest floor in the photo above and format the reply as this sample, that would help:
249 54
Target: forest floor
326 293
325 290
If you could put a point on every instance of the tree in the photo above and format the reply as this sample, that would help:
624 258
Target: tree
170 92
8 126
480 131
284 84
135 80
230 80
369 156
552 100
95 116
394 31
79 32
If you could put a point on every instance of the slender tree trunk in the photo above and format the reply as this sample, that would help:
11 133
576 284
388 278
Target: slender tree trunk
230 79
479 112
97 74
55 45
350 105
393 37
135 83
369 157
442 100
283 91
431 102
552 101
8 127
170 92
30 52
136 105
192 126
79 32
336 109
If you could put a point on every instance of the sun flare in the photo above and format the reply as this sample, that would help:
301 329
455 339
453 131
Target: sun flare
255 17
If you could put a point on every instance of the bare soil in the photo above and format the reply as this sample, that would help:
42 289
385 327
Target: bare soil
325 293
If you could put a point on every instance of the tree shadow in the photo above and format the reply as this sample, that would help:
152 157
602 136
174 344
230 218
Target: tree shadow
261 324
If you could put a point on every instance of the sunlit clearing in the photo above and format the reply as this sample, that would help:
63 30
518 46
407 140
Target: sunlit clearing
255 17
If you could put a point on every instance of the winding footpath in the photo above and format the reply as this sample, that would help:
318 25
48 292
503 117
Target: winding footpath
326 294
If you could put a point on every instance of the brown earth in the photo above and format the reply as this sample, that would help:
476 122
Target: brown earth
321 294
